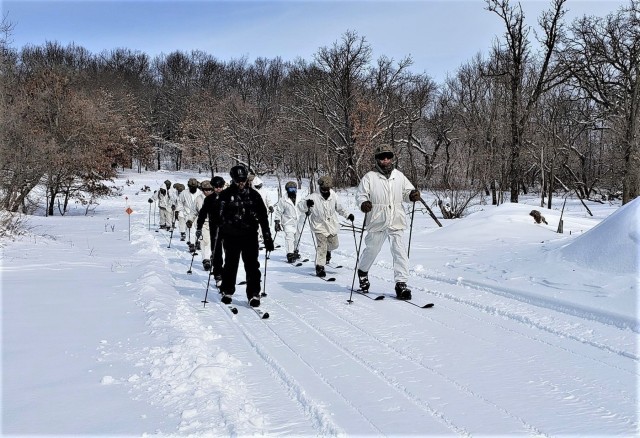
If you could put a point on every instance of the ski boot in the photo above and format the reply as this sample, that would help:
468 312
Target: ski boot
183 237
198 247
363 277
328 259
402 291
320 272
226 297
296 255
255 301
291 257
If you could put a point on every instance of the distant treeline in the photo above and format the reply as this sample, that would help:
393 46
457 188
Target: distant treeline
564 118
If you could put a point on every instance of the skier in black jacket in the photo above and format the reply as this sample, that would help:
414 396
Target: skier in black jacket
238 212
206 212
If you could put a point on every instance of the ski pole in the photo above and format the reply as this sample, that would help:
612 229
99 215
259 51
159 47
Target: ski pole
300 237
193 254
206 292
173 226
150 202
364 223
413 211
264 282
189 223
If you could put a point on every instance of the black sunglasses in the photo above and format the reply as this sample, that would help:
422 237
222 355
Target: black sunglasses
384 156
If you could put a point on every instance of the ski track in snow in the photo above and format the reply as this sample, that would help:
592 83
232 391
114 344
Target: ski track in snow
406 391
322 399
529 322
457 290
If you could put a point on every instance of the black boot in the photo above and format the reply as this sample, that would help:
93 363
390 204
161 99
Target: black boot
183 237
402 291
254 301
226 297
328 259
291 257
364 281
296 254
320 271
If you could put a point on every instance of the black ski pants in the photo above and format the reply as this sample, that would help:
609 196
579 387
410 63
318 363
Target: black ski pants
246 246
216 250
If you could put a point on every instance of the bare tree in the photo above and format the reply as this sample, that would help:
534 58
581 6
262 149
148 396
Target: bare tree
603 56
330 88
516 56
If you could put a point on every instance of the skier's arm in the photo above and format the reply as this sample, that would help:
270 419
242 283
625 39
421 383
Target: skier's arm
202 214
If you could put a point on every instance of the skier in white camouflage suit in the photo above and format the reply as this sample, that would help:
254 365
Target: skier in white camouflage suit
256 184
202 229
179 188
286 219
187 207
321 208
380 195
163 198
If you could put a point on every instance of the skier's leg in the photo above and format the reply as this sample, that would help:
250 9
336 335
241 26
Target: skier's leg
399 254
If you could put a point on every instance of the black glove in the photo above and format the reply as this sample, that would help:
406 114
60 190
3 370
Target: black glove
278 226
310 203
198 234
189 223
150 201
366 206
270 209
350 217
268 243
173 207
414 195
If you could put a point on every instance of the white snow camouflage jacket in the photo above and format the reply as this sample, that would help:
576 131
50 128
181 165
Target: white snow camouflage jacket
323 219
165 201
187 204
286 212
386 196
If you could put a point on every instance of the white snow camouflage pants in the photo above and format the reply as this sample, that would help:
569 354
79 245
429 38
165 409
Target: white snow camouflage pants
373 243
165 217
291 237
205 245
324 244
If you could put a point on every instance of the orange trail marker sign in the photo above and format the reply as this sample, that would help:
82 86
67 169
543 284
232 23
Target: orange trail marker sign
129 211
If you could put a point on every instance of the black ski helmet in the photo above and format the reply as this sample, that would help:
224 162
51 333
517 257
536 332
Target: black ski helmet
217 182
239 174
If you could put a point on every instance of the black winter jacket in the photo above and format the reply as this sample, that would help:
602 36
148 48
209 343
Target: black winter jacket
238 212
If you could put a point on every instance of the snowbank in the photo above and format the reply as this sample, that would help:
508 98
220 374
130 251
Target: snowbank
611 246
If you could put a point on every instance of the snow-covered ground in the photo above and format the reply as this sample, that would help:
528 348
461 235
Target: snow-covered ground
532 332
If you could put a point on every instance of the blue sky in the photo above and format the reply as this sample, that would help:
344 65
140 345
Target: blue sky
439 35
